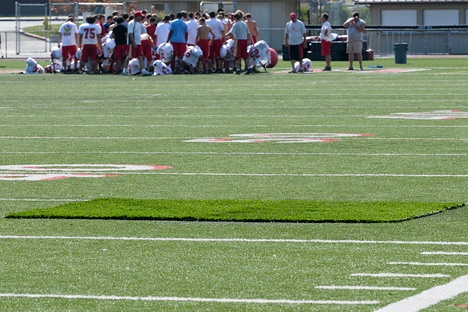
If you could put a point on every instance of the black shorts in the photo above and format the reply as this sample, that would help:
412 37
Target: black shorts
296 52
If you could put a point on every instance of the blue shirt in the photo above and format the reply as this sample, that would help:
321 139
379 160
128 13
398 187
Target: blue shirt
179 30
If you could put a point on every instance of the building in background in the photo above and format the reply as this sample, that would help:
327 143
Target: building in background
417 13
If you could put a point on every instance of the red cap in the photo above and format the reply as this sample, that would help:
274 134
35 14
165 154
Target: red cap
292 15
138 13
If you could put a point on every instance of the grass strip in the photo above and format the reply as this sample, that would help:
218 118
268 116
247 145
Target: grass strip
239 210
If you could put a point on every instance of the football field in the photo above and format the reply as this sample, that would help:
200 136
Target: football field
367 169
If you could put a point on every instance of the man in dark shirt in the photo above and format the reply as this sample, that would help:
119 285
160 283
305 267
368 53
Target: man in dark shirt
119 33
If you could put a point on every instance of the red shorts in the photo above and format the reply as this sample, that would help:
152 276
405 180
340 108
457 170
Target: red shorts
136 51
326 47
68 52
179 48
215 48
147 48
121 51
89 52
240 49
204 45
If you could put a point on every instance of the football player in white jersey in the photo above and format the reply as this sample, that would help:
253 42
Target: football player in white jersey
134 67
306 66
90 38
192 57
160 68
32 67
166 52
259 54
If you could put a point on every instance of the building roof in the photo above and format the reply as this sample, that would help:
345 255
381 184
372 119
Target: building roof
407 1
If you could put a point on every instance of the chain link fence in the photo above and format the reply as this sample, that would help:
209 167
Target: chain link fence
449 40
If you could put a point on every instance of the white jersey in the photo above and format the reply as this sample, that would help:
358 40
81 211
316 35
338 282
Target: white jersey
32 67
68 31
107 47
162 32
306 65
259 53
192 55
54 67
216 26
134 67
227 50
165 51
161 69
89 33
192 26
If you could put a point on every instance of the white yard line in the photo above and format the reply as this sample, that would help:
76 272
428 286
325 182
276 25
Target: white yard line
333 287
243 153
45 199
235 240
398 275
449 253
223 174
214 126
428 263
190 299
429 297
188 138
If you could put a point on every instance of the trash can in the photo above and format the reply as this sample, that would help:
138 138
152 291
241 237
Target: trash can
400 52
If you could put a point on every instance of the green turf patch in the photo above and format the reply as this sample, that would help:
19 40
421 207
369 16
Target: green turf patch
239 210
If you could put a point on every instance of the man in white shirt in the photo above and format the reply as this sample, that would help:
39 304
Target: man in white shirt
162 31
218 29
90 38
68 37
295 40
325 37
192 26
135 29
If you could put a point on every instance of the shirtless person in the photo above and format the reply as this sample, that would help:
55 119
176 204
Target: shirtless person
204 43
252 27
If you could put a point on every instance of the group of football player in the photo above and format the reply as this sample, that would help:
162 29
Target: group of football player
136 45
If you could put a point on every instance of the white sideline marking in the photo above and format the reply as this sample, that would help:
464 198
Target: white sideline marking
400 275
370 175
235 240
451 253
365 288
429 297
223 174
429 264
214 126
189 138
243 153
43 199
189 299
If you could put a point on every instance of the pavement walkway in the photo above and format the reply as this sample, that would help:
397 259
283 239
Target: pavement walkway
26 46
